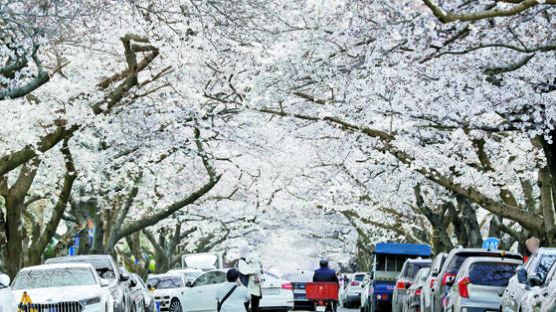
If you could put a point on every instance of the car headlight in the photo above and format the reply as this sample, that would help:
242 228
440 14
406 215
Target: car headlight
90 301
148 301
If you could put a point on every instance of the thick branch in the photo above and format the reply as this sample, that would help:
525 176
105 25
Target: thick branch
446 17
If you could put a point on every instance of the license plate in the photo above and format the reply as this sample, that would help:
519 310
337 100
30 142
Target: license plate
271 291
157 306
320 308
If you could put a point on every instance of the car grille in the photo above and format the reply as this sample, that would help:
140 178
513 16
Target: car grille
164 302
72 306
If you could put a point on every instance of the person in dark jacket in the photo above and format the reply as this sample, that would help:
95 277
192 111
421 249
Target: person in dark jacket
325 274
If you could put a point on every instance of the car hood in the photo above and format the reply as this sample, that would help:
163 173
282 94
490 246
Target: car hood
61 294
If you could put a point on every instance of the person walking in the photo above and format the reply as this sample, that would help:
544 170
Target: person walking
233 295
251 271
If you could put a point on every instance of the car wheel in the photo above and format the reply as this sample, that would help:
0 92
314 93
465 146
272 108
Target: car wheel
175 306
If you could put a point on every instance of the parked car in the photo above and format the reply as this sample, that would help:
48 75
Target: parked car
277 294
74 287
412 299
540 262
190 274
405 279
168 291
352 292
540 296
451 266
107 269
479 284
7 299
426 292
300 301
141 296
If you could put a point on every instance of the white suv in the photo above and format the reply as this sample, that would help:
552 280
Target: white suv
354 288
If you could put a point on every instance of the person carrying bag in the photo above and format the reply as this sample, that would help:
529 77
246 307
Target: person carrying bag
232 296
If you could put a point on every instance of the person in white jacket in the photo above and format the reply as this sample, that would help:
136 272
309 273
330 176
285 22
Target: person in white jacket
251 271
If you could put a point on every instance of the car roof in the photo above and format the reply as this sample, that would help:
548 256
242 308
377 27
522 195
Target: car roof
419 260
547 250
490 259
479 250
54 266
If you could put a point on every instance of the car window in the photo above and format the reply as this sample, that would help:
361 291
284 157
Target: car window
459 258
214 277
165 282
47 278
413 268
545 263
359 277
103 266
492 273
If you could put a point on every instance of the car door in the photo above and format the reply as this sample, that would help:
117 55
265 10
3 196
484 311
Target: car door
201 296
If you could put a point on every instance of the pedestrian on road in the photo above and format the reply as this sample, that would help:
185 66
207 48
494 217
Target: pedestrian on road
251 275
233 295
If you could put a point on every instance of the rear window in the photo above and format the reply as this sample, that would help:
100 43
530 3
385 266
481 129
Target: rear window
413 268
359 277
492 273
459 258
544 264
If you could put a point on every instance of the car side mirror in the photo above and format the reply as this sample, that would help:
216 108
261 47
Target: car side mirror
104 282
149 286
188 284
407 285
535 280
5 279
124 276
132 283
450 280
521 273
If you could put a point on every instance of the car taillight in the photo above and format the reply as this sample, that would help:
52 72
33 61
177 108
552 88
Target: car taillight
287 286
417 292
354 283
401 285
432 283
445 277
462 285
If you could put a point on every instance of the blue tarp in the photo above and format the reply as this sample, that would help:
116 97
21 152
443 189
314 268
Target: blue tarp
403 249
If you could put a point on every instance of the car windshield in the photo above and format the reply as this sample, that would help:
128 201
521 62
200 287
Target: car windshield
359 277
544 264
459 258
413 268
204 261
46 278
103 267
165 282
492 273
190 276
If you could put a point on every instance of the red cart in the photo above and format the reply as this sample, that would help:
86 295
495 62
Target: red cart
323 295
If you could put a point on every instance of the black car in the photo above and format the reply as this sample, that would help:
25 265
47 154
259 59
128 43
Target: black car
107 269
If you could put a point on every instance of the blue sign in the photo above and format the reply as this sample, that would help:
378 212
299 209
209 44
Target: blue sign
491 243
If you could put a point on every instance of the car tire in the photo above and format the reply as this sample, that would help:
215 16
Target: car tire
175 306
